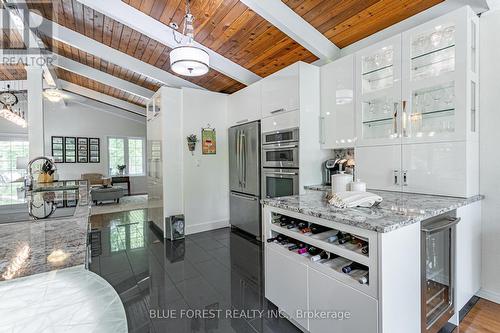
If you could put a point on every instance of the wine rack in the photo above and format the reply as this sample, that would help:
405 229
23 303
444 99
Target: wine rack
360 247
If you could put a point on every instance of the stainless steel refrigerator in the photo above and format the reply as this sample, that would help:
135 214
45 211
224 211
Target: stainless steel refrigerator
244 177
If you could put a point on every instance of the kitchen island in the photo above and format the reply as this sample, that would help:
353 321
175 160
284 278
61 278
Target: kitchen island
44 284
383 293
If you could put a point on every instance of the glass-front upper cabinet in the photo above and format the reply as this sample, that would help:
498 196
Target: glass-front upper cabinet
439 75
378 91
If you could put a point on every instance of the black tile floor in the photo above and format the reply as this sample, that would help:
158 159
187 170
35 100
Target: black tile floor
219 272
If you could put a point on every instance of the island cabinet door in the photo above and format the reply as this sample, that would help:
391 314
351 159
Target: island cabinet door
286 284
330 298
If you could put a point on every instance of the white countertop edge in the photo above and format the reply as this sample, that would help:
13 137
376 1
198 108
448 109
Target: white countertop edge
67 300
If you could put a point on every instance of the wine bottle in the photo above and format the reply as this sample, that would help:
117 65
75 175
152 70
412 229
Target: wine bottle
276 239
322 255
344 238
364 249
284 221
364 279
333 238
313 250
302 250
316 228
306 231
292 225
351 267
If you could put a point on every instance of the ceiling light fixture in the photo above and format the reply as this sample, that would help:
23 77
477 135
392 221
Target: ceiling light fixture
7 102
53 95
187 59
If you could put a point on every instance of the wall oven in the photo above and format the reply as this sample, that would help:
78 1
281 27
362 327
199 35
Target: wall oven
280 149
280 182
438 242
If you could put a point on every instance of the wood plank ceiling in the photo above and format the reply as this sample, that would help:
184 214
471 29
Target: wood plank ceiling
346 22
84 20
226 26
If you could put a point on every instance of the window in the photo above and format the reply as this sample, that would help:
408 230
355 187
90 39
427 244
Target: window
126 151
10 150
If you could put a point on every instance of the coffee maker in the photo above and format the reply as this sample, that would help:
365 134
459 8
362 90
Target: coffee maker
330 167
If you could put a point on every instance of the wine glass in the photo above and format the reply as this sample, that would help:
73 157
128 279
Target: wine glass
449 34
435 38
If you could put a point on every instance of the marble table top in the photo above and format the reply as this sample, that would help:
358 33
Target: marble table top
37 246
395 211
66 300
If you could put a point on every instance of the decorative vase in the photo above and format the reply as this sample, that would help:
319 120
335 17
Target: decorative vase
192 146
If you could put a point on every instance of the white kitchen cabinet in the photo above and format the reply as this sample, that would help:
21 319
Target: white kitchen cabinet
419 91
378 93
438 168
244 105
440 79
284 278
379 167
328 294
337 104
280 91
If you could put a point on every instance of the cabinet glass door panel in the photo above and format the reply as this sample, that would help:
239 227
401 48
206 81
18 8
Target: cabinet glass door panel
432 112
433 52
377 70
380 118
378 91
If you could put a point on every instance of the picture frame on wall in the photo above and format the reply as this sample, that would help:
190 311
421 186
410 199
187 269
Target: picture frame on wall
83 150
57 145
70 149
94 150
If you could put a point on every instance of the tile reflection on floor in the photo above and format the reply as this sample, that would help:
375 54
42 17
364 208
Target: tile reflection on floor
209 282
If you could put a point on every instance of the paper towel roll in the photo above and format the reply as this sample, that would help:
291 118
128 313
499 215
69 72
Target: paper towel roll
340 182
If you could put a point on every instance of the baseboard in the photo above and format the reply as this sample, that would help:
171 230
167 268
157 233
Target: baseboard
206 226
489 295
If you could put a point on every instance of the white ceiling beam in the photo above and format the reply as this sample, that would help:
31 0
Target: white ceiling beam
110 54
92 94
293 25
147 25
90 103
99 76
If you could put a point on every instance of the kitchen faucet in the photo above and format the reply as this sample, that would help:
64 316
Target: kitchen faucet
28 179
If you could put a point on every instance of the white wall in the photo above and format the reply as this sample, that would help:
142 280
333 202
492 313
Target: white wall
206 177
490 153
89 118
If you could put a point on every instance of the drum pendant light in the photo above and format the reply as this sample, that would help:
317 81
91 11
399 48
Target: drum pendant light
187 59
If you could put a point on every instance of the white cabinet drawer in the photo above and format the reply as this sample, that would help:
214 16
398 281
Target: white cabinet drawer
327 294
286 283
280 91
244 105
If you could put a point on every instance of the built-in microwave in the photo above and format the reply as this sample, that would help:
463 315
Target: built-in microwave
280 182
279 137
280 149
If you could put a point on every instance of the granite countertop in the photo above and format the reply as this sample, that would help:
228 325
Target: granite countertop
320 187
397 210
31 246
67 300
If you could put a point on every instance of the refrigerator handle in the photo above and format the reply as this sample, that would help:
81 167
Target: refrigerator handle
238 156
244 148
